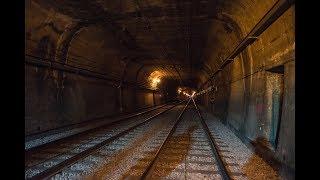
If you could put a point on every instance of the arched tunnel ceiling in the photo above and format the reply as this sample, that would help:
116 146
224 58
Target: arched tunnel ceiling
185 39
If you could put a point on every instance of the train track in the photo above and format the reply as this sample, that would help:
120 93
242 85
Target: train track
97 120
222 164
178 150
182 148
32 146
64 152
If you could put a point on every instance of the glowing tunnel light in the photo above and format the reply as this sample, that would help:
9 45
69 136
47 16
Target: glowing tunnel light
155 79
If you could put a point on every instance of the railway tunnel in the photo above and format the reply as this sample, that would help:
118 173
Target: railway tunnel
169 89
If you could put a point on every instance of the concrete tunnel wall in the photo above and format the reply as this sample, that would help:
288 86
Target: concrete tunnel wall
82 98
243 100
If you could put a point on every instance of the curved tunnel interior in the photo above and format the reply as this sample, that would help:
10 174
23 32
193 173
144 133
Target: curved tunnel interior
89 60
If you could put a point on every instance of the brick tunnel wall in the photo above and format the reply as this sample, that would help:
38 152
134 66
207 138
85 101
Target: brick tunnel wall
249 91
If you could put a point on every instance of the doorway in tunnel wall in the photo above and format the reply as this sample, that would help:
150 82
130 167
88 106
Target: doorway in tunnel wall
274 98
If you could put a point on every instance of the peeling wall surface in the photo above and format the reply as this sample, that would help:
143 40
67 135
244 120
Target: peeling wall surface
91 59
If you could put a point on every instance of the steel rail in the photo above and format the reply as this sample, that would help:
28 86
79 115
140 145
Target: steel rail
76 135
46 174
86 132
213 144
145 173
36 135
61 153
33 150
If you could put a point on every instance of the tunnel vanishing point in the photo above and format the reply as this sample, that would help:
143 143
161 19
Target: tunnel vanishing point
169 89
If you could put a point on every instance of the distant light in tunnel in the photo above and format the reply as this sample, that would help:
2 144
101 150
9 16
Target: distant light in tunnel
155 79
